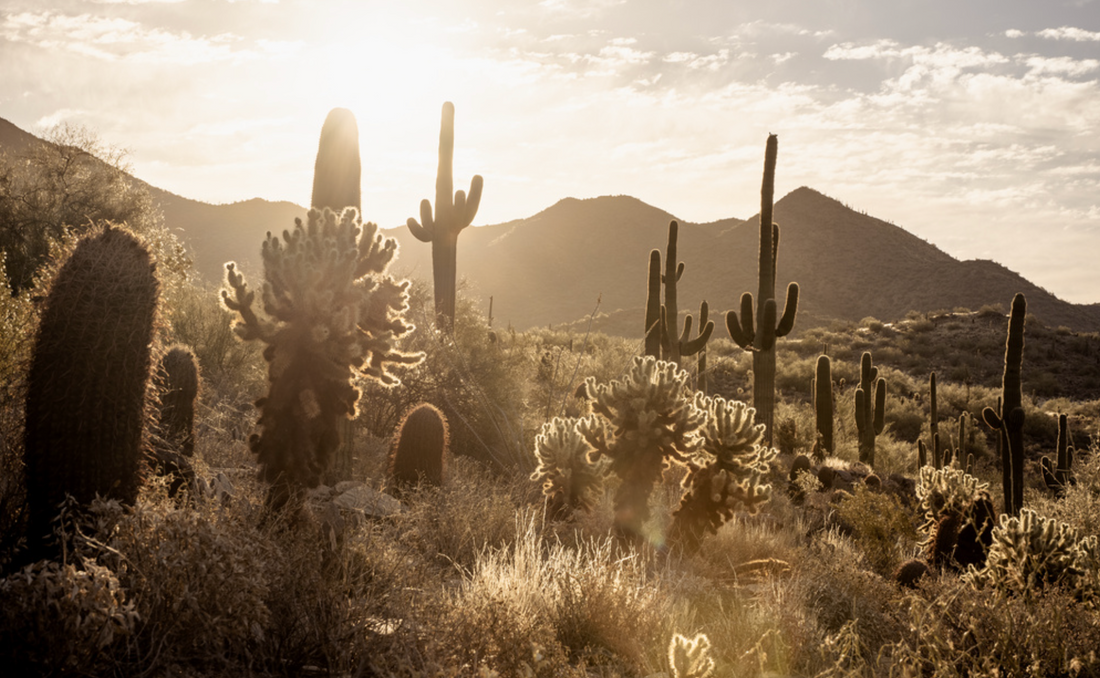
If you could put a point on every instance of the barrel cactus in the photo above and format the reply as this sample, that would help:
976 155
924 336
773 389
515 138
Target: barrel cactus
86 389
420 447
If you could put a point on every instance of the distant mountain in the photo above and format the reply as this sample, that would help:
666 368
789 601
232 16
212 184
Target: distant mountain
552 267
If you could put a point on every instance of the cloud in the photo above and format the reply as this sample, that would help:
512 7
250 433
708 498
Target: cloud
118 39
1069 33
579 9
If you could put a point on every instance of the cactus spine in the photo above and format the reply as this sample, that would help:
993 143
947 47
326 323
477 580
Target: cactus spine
674 348
452 214
1010 419
870 410
420 448
329 311
823 404
337 184
86 388
761 340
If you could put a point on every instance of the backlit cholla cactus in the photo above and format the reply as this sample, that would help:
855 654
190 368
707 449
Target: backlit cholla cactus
1030 552
569 479
727 473
690 657
958 517
329 310
641 423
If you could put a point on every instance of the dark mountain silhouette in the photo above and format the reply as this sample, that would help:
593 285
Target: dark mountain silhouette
552 268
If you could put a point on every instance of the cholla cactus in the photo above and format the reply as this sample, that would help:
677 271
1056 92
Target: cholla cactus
958 517
1030 552
727 474
641 423
329 311
569 480
690 657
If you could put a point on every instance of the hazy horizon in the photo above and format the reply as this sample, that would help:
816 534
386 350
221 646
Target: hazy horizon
974 125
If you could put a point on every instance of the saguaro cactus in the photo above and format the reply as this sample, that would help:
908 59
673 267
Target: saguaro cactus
330 310
653 332
337 184
1058 477
870 410
934 423
761 340
673 347
701 356
451 216
1010 419
823 404
420 447
86 405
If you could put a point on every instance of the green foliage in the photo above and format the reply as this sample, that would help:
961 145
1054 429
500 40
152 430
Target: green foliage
641 423
881 527
329 311
451 216
420 447
769 326
65 187
86 388
569 480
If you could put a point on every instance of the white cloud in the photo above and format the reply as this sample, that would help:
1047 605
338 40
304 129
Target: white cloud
1069 33
1014 33
1039 65
118 39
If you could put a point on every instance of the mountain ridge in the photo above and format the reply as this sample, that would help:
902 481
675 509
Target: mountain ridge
553 266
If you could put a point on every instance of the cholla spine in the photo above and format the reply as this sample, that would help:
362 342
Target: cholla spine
641 422
569 479
1030 552
329 310
690 657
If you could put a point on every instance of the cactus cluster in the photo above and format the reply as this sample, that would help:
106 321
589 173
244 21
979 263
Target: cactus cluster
1030 552
727 473
769 325
690 657
870 408
86 388
421 448
641 423
662 319
569 479
452 214
329 311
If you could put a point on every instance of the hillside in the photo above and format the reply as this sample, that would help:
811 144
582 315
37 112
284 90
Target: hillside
551 268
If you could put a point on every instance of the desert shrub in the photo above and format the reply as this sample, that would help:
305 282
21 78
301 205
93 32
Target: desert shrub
881 528
952 629
873 324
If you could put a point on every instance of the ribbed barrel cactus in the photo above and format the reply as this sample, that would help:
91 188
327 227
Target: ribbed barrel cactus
329 310
86 388
569 479
421 447
641 423
726 474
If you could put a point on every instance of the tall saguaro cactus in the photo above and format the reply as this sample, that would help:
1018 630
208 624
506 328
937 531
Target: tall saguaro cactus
1010 419
653 307
870 408
761 340
337 184
823 404
86 389
441 229
676 347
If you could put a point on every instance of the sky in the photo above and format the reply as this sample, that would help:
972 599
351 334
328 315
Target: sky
974 124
